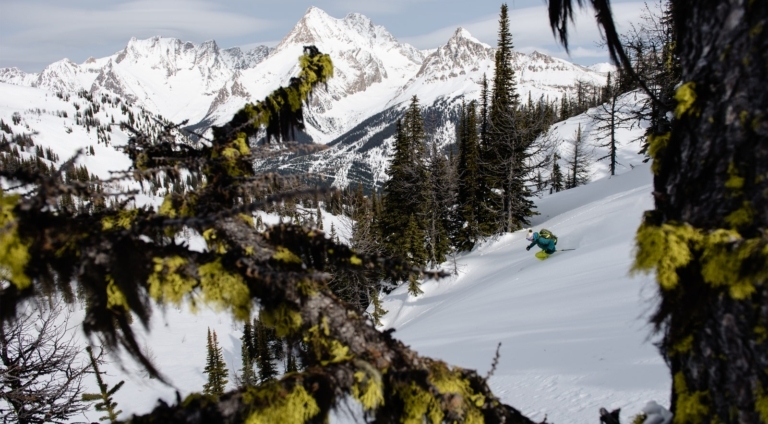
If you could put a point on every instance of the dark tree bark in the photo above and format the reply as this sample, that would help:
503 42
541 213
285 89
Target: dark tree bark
706 238
712 175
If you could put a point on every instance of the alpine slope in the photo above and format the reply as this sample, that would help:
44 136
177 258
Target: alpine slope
573 328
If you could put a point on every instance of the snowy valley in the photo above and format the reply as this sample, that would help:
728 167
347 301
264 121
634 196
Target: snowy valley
573 329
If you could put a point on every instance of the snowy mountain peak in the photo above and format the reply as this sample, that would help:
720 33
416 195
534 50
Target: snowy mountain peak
603 67
310 29
460 58
463 34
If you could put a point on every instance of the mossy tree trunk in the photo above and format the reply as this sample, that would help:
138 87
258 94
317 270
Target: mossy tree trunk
707 236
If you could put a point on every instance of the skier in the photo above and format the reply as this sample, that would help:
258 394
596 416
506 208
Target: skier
546 242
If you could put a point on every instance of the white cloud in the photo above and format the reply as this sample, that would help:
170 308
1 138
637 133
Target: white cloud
376 7
136 18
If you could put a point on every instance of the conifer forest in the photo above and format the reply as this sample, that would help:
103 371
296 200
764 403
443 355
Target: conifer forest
313 303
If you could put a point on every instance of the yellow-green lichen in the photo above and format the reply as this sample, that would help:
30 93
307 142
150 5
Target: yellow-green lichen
115 297
741 217
723 256
368 388
761 403
284 319
213 241
724 252
14 252
167 283
686 98
326 350
656 144
761 334
166 208
734 182
306 287
248 219
295 407
284 255
123 220
683 346
354 260
449 381
225 289
418 404
690 407
664 249
639 418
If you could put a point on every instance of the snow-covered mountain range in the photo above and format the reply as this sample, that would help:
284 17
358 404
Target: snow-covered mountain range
374 77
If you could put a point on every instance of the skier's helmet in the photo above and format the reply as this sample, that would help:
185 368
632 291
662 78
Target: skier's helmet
529 237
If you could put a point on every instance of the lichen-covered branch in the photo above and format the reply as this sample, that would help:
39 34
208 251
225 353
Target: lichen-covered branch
123 260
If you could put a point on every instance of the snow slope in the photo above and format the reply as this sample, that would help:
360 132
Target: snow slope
572 327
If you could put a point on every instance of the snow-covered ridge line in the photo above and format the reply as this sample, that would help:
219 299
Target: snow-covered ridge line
373 72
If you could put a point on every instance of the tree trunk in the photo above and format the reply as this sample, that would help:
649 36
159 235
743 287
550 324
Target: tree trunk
707 236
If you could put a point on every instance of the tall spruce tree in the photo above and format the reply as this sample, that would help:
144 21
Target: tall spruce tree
441 197
469 202
247 377
706 238
405 193
556 179
265 358
504 158
215 367
498 146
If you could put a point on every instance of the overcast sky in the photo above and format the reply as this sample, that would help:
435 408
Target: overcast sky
34 33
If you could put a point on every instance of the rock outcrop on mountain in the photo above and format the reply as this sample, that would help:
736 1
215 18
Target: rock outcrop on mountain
374 77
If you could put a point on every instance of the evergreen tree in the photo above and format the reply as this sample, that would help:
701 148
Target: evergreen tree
705 240
378 310
469 202
565 107
579 162
105 399
440 200
264 354
215 367
506 153
405 193
248 354
556 180
413 241
123 261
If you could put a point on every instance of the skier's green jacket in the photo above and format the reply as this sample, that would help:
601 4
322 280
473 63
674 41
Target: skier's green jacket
545 244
